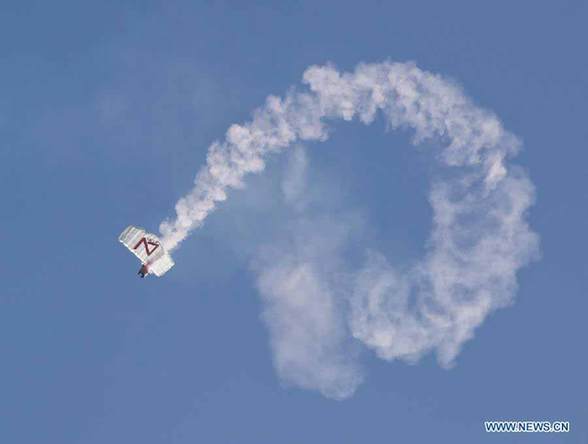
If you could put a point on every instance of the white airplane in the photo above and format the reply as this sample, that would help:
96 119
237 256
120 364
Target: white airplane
147 247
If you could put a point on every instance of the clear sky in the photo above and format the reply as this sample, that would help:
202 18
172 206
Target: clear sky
106 113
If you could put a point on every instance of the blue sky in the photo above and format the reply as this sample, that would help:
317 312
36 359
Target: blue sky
106 114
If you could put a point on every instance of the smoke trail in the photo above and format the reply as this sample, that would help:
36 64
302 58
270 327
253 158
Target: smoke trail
406 95
479 240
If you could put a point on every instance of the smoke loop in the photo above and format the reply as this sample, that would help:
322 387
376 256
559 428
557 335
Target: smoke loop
480 236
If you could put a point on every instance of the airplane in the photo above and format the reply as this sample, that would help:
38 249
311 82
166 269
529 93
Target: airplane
148 248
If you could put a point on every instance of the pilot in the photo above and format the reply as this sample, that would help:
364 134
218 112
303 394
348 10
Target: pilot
143 271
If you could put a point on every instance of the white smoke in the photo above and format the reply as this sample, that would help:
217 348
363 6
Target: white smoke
304 310
479 240
301 281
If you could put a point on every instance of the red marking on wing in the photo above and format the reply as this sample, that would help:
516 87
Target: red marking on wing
147 243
